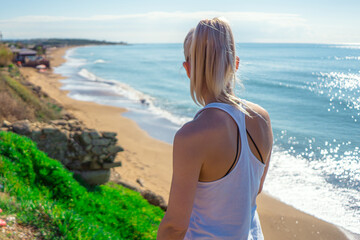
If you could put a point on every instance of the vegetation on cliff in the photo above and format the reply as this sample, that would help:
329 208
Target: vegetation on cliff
22 100
5 55
46 196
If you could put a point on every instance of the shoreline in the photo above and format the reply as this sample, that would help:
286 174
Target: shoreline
148 160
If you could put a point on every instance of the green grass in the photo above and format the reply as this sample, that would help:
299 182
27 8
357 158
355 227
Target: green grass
49 198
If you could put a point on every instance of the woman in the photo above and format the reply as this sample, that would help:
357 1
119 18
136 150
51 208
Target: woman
220 159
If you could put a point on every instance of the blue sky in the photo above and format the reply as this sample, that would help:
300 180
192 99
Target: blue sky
135 21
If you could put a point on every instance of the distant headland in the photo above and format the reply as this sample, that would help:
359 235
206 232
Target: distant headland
60 42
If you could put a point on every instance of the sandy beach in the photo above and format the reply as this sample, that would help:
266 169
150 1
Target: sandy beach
150 160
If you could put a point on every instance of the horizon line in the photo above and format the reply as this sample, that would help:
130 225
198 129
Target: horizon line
129 43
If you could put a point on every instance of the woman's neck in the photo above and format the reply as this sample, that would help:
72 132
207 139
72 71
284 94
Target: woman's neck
209 98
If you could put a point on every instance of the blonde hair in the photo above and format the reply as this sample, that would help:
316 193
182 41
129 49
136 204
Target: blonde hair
213 62
187 43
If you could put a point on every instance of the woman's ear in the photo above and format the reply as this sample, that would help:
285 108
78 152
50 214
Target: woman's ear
237 62
187 68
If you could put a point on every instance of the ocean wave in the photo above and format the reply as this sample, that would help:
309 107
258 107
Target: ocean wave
148 101
353 46
347 58
87 75
136 96
73 62
312 194
99 61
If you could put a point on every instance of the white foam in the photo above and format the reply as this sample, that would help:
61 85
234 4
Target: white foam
73 62
348 58
352 46
148 101
100 61
136 96
88 75
297 182
174 119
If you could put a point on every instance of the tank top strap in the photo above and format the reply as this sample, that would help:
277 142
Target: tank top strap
225 107
237 115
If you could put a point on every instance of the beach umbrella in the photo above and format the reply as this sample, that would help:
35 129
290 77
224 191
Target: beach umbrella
41 66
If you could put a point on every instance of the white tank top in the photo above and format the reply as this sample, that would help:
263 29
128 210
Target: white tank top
226 208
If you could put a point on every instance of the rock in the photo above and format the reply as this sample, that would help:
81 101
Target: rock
76 147
59 136
88 148
65 161
140 182
85 138
36 89
154 199
59 122
66 133
96 150
101 142
106 165
68 116
95 177
4 129
6 124
109 134
70 154
94 134
75 165
110 159
87 158
73 122
21 127
114 149
127 185
36 134
49 130
95 165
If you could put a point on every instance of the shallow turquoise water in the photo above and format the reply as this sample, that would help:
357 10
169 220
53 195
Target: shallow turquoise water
311 91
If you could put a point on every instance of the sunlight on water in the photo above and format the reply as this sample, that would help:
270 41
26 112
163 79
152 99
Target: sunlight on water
343 91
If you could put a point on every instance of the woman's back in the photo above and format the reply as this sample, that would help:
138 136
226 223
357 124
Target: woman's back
204 204
224 207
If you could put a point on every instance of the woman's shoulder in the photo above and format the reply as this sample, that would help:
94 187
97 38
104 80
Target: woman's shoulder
257 112
259 126
208 127
207 123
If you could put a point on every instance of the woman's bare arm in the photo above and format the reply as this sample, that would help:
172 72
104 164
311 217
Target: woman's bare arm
187 162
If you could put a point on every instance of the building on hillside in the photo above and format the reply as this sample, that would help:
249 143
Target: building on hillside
23 54
28 57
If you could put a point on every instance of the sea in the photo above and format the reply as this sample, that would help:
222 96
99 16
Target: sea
311 91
